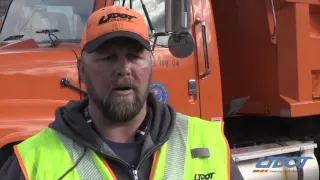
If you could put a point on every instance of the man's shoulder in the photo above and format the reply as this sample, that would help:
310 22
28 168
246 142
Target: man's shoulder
235 172
11 169
45 137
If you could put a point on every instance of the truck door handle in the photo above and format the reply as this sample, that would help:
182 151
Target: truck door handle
205 48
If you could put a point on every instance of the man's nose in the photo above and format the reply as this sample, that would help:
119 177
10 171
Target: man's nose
124 67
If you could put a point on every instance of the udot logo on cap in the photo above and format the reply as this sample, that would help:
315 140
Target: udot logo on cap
113 16
160 91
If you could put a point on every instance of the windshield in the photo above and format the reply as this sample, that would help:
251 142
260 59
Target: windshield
25 17
156 11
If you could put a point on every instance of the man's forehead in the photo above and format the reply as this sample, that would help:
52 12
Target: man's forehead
121 43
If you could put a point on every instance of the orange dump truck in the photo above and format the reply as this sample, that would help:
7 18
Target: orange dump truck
252 64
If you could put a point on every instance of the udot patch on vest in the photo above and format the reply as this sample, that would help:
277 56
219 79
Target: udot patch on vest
160 91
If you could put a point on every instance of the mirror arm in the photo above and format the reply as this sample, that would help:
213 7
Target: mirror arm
154 43
156 35
147 16
64 82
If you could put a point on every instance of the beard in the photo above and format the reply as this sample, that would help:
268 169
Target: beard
119 109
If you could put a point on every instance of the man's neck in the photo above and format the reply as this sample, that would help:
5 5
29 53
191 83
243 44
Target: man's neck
116 132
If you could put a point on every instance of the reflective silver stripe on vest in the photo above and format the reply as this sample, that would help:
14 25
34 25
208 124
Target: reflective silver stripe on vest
86 167
176 151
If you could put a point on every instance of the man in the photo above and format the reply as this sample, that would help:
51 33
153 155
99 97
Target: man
120 131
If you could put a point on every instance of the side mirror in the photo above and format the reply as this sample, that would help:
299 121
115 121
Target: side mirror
177 24
177 17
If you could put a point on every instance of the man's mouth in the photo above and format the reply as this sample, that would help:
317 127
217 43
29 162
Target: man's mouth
123 89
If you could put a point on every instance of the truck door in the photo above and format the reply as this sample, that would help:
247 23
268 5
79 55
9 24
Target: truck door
207 60
175 80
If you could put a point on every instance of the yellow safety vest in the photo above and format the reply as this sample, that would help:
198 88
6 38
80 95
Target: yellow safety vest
196 150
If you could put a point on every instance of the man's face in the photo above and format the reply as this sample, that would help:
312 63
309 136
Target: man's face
117 76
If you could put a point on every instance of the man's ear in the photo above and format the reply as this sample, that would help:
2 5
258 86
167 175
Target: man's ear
81 69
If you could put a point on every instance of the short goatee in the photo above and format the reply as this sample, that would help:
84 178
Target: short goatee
118 109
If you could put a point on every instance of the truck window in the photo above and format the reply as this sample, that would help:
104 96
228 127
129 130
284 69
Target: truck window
3 9
25 17
156 11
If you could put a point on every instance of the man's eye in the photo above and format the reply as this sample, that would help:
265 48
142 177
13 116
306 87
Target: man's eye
132 56
110 58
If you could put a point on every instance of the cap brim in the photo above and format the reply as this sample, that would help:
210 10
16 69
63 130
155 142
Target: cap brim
91 46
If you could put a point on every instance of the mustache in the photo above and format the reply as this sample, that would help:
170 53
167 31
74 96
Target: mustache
125 82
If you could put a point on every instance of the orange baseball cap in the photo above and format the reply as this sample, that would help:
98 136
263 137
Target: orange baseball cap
111 22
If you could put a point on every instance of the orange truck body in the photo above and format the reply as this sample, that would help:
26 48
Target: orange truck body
280 74
32 76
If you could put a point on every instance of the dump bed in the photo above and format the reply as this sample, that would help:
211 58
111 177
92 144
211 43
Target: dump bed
270 50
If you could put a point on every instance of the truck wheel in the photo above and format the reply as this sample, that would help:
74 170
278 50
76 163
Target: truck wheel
5 152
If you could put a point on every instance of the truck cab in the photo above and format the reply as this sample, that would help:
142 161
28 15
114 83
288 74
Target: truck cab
40 46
